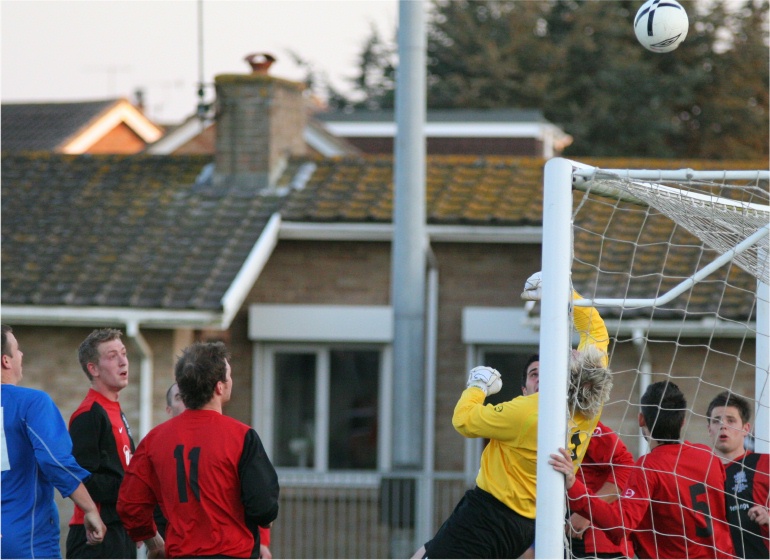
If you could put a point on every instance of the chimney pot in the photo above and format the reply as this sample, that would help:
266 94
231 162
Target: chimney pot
260 62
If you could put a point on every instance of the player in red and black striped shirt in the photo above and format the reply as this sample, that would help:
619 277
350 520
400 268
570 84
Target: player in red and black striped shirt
746 486
605 470
102 444
673 505
209 473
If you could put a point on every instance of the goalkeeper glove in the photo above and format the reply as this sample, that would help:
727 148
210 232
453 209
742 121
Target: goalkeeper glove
485 378
533 287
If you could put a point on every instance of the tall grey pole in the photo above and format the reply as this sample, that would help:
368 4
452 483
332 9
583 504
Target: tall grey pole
409 241
408 275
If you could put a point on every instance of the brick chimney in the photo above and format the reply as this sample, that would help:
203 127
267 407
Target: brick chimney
260 123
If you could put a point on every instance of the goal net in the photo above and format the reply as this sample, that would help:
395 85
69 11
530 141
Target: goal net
676 262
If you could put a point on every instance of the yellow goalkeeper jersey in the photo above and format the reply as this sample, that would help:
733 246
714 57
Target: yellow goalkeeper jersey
509 462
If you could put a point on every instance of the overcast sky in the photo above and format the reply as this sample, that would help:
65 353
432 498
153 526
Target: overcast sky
79 50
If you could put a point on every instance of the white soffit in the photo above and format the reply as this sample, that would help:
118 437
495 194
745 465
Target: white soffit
321 323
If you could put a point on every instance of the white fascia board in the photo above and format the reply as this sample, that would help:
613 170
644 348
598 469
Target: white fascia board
179 137
384 232
250 270
123 112
321 144
321 323
107 316
443 130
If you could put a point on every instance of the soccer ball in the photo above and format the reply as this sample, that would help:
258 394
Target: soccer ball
661 25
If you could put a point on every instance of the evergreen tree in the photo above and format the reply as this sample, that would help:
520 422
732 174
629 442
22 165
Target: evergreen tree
579 62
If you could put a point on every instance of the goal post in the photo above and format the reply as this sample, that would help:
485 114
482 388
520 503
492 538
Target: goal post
706 232
554 354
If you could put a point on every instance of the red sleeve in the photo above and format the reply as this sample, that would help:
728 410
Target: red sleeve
136 499
618 517
264 536
761 487
607 460
621 461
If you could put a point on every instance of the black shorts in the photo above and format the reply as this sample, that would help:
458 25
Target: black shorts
481 526
116 543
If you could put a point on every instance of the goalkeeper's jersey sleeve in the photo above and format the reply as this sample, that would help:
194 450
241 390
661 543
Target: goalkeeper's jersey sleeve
590 326
509 462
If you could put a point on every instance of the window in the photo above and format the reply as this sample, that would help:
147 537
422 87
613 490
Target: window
326 407
510 364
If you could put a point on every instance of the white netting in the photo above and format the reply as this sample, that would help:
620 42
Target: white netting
722 209
639 235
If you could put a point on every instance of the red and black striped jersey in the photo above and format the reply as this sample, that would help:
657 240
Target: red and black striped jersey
213 481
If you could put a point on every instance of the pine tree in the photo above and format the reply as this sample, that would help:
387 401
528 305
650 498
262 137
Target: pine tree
579 62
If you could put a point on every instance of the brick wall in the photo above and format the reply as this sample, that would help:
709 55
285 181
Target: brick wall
120 140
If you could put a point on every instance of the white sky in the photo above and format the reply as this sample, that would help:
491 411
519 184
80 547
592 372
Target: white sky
80 50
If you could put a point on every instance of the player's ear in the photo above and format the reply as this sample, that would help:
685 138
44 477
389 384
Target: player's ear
92 369
220 388
642 424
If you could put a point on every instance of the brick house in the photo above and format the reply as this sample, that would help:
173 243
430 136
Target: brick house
111 126
285 255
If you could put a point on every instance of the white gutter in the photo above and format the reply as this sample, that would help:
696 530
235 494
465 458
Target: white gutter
252 267
674 327
384 232
71 316
441 129
145 378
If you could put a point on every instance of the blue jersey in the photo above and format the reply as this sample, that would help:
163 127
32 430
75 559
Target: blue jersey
36 457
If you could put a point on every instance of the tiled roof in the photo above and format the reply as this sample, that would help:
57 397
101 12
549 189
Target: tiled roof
119 231
461 190
139 231
46 126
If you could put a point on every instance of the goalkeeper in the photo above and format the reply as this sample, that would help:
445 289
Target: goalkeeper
496 519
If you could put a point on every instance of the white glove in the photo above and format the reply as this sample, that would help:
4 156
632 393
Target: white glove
533 287
486 379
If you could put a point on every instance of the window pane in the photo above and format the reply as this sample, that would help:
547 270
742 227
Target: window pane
294 410
353 409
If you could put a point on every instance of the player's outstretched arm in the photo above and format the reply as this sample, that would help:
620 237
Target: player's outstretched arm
588 321
562 462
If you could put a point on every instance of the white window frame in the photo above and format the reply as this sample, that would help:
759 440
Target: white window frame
317 329
487 329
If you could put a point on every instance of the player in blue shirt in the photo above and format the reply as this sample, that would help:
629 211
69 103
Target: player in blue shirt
36 457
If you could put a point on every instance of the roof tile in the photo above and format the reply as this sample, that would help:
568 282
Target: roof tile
139 231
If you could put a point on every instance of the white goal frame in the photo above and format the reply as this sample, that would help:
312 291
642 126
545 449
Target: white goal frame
560 177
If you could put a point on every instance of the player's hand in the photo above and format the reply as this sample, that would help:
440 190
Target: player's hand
264 552
562 462
577 526
759 514
533 287
485 378
95 527
156 547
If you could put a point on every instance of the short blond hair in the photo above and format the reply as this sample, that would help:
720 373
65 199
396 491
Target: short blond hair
590 381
